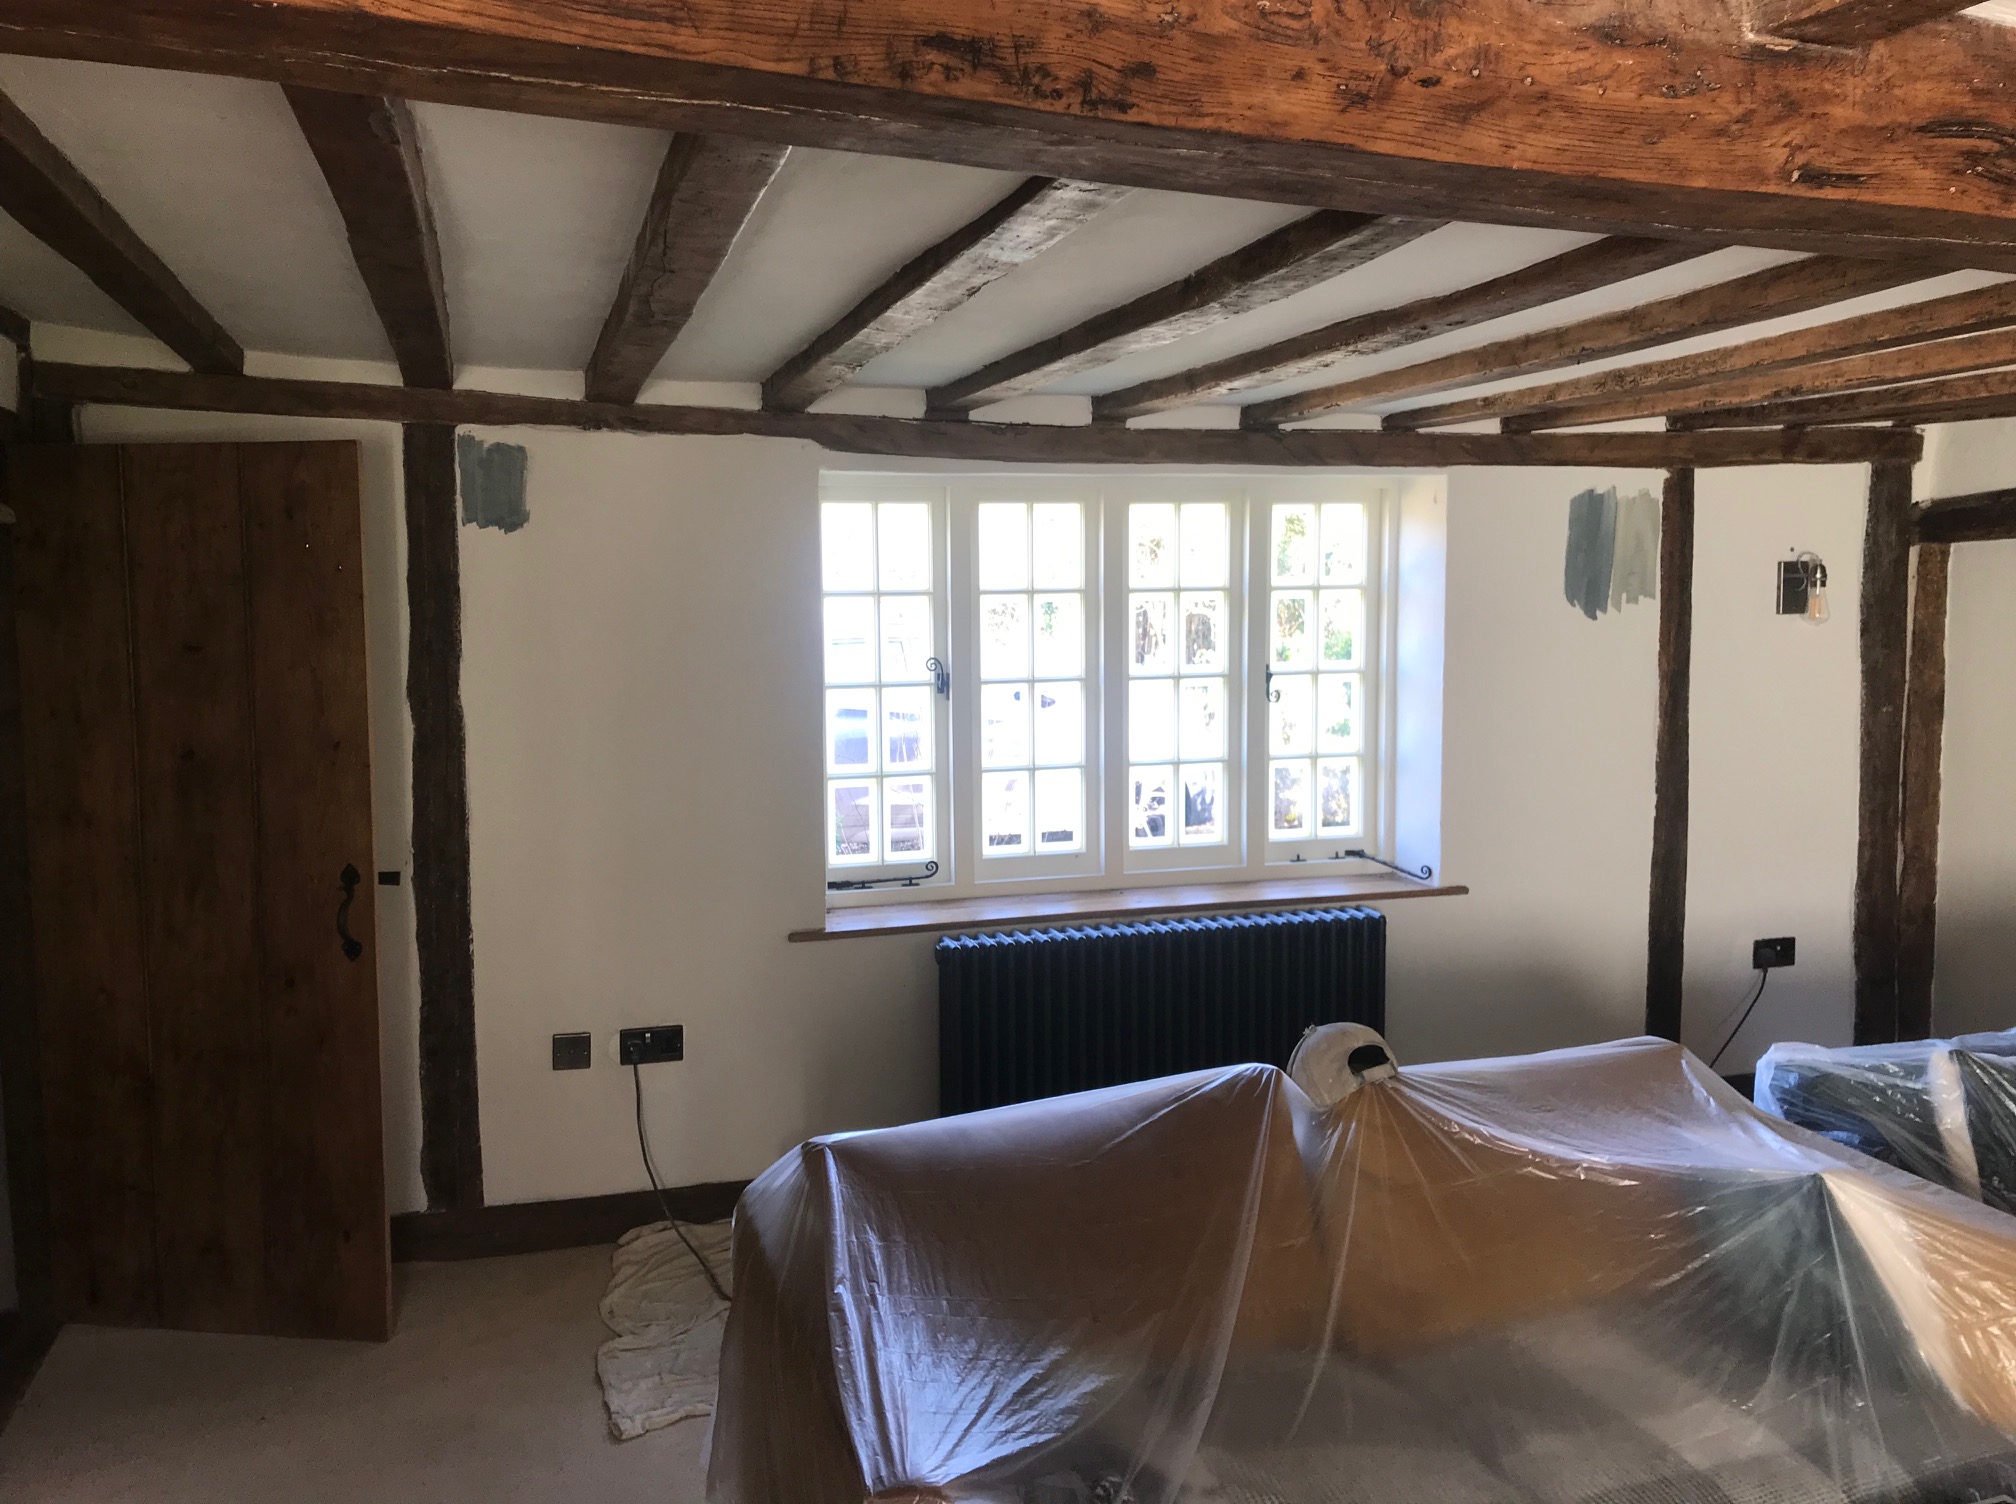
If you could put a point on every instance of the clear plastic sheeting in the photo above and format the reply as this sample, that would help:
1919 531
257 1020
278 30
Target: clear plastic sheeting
1588 1277
1941 1108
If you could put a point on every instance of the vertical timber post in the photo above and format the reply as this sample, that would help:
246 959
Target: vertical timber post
451 1149
1886 630
1924 745
1666 949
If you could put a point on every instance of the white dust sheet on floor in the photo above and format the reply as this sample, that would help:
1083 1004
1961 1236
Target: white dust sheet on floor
664 1361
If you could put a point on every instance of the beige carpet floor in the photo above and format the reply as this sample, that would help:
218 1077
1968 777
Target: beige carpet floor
486 1393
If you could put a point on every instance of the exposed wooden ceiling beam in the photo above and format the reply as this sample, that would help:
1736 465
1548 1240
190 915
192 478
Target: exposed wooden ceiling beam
1950 400
1623 123
1922 362
963 439
1638 391
55 203
707 188
1294 258
1581 270
1977 518
1775 291
14 326
370 157
1852 23
935 281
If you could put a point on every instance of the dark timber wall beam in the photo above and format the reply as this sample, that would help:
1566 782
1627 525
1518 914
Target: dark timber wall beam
1979 518
1666 950
1578 271
1953 399
1924 739
1033 443
1298 256
451 1146
1771 293
707 188
370 157
54 202
1639 391
1622 122
1886 630
934 282
1851 23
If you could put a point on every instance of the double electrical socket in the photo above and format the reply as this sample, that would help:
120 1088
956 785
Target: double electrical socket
1767 954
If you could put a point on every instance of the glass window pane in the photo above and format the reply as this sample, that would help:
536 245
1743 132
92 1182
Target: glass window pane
1060 723
1004 636
1337 796
850 639
1204 632
1201 717
1205 546
906 730
1060 809
850 730
851 826
847 545
1294 545
1148 820
1154 649
1151 720
1291 643
1337 713
1004 725
1004 545
1059 562
910 832
1151 546
1288 801
1004 814
906 637
1060 636
1203 804
1343 629
904 529
1291 715
1343 544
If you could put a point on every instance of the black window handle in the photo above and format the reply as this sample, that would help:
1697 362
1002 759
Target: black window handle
350 877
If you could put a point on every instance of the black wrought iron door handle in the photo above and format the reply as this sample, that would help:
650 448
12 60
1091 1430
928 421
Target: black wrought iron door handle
350 877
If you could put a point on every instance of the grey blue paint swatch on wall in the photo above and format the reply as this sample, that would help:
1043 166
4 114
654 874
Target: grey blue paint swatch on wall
493 483
1613 551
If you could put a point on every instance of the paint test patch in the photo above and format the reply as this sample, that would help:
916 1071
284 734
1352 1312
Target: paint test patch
1613 551
493 483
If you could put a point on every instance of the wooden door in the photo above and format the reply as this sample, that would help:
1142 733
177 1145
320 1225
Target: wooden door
195 744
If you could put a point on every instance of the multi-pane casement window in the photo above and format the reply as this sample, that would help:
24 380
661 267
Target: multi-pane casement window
1075 681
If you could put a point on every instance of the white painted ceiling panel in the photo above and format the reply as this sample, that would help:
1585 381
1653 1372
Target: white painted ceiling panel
41 285
213 174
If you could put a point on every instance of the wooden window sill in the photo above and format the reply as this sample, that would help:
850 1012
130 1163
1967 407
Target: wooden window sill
1117 903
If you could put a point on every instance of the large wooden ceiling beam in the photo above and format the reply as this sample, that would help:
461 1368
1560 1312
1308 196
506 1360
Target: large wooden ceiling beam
1991 394
1038 214
1851 23
1791 288
1294 258
963 439
1638 391
707 188
370 157
1578 271
1976 518
1623 122
56 204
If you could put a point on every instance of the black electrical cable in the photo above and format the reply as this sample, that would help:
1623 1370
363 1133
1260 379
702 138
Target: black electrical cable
1762 977
651 1173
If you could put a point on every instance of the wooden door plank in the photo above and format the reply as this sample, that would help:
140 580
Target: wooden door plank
328 1260
83 839
199 878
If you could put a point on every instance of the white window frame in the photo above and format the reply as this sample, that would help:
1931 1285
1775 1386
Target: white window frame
1107 861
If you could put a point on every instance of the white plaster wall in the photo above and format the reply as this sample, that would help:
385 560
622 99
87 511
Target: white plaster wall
1974 984
638 663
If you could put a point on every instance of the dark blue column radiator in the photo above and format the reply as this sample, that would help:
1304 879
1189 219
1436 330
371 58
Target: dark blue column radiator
1042 1012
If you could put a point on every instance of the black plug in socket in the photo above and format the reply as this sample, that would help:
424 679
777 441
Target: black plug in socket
1766 954
652 1045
